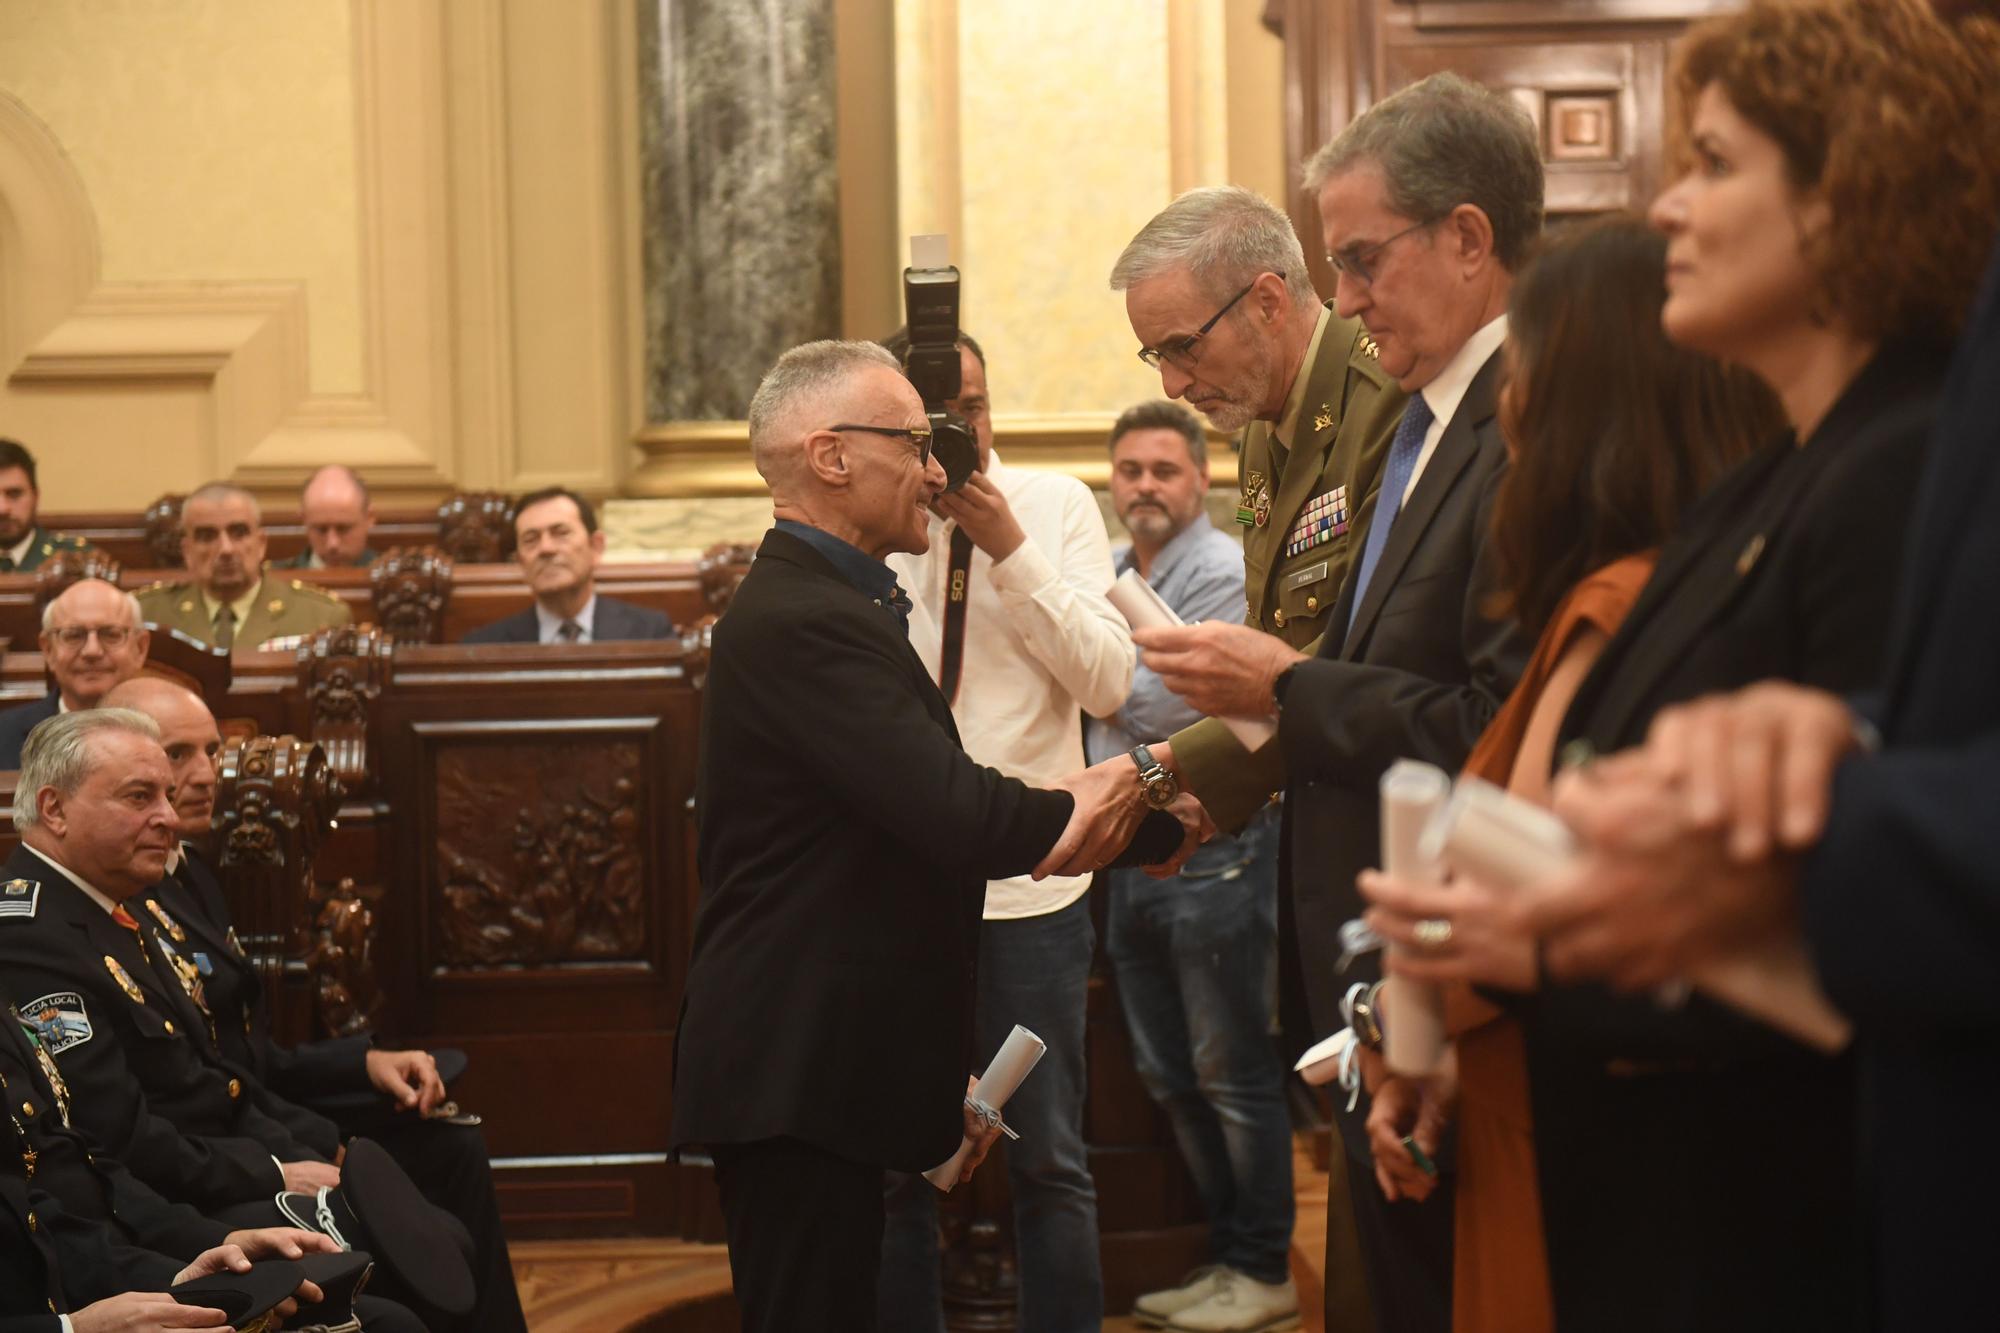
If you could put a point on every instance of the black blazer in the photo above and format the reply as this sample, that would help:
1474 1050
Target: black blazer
611 620
1901 901
845 845
1697 1168
1418 676
146 1083
18 721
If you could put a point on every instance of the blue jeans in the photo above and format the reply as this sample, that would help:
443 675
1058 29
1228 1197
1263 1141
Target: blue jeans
1196 960
1034 971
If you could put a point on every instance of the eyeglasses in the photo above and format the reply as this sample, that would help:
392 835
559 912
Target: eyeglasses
1180 351
75 636
920 436
1358 261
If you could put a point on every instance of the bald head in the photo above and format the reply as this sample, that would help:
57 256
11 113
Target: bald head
93 637
338 516
189 736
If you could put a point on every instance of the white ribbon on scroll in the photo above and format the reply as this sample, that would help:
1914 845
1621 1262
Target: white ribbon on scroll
1143 608
1413 1040
1018 1055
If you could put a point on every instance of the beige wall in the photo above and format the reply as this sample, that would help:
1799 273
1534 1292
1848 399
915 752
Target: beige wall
242 237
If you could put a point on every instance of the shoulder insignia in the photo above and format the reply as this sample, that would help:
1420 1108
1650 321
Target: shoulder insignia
1370 348
171 926
275 606
124 980
312 589
19 898
1323 419
59 1021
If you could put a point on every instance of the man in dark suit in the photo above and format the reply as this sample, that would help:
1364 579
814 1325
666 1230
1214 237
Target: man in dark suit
1863 827
92 639
558 546
338 516
1428 201
845 845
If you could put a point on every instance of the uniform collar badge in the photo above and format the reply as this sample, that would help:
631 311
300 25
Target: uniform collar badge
124 980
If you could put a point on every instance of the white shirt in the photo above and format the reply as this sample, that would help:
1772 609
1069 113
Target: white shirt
19 551
1042 647
547 622
1447 390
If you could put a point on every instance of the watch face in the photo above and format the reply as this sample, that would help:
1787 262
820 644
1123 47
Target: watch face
1161 791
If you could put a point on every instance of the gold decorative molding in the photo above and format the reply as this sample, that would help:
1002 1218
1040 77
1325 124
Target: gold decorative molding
703 460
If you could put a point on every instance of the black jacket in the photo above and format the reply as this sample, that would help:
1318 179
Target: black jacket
1418 676
845 845
1901 900
18 721
611 620
1697 1168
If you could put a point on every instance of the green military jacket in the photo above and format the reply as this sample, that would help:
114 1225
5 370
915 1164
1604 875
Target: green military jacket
41 545
1306 516
284 607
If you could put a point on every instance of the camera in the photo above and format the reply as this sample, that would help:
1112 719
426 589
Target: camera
930 354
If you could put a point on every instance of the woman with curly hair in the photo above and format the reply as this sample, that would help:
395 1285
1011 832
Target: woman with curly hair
1697 1168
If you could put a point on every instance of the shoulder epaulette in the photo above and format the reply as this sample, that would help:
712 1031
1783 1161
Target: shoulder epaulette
300 585
19 898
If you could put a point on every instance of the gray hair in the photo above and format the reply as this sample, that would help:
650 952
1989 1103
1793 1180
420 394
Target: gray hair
217 491
57 754
1159 414
1224 235
1444 142
134 613
809 371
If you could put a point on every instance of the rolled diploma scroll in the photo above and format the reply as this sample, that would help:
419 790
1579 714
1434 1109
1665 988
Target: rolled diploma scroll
1144 609
1413 1038
1506 842
1017 1055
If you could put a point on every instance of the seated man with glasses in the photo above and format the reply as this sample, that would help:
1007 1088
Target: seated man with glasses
93 637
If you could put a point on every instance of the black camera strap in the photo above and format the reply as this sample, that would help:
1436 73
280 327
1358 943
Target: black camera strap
951 662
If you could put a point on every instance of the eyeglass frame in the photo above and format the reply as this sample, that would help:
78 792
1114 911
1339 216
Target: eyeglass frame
75 637
921 436
1362 260
1176 355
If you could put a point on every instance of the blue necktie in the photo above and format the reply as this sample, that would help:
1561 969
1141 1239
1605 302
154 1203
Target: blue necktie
1403 452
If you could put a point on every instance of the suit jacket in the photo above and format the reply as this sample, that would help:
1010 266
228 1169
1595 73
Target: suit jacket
53 1262
845 845
18 721
1418 675
284 607
1900 901
304 559
144 1077
612 620
1350 415
1650 1119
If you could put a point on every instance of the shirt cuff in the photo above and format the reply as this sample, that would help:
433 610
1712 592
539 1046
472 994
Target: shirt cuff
281 1174
1024 570
67 1327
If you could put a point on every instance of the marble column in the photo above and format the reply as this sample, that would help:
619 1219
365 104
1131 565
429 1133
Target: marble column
742 225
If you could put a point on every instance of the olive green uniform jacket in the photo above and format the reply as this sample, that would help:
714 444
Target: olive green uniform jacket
284 607
1315 501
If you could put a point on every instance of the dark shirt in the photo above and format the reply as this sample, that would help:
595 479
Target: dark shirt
875 579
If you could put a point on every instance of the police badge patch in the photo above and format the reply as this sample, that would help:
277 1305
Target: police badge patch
18 897
59 1021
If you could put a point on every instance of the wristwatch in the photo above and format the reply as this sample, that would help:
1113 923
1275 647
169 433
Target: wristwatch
1160 787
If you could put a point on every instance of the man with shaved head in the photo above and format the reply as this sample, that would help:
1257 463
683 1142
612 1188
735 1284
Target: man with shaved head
229 601
338 517
93 637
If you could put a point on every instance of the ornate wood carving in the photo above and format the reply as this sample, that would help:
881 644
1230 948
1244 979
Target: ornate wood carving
163 531
721 568
411 587
474 528
539 852
341 673
340 958
64 568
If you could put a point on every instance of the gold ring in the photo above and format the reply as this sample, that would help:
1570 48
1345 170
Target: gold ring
1433 932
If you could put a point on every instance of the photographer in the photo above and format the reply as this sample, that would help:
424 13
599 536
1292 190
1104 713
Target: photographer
1009 616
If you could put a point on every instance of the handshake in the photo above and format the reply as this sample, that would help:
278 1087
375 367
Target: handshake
1112 813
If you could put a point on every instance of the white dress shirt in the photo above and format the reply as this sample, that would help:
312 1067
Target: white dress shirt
1042 647
1444 393
547 622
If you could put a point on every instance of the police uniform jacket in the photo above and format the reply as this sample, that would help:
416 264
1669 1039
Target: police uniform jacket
145 1079
284 607
1302 509
41 545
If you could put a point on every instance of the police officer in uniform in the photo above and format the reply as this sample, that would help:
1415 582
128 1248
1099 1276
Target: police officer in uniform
24 543
230 600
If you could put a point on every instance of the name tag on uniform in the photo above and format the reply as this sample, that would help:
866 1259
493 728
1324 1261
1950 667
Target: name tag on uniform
1323 519
1310 574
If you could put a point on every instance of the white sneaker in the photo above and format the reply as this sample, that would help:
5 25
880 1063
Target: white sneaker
1241 1305
1155 1308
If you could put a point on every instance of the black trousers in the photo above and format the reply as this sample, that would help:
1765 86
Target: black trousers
450 1166
1406 1247
805 1236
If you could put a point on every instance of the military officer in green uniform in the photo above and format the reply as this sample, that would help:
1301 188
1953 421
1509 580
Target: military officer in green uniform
230 600
1217 291
338 516
24 543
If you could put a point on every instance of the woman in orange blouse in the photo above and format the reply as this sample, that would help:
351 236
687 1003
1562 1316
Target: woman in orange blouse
1613 432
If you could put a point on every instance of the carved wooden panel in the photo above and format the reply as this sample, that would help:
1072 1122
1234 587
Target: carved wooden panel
341 673
411 588
162 522
539 855
65 568
473 526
